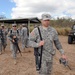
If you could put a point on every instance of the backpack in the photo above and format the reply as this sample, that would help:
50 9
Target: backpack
11 31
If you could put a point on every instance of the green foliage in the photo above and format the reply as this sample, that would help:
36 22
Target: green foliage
62 22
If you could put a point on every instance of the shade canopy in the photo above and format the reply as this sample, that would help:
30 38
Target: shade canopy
22 20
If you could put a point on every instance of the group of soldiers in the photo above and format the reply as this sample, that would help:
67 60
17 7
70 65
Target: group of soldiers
15 35
41 39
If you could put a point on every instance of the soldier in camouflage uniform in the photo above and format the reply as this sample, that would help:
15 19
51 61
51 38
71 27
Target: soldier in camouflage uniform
1 35
24 36
19 29
13 47
4 36
50 36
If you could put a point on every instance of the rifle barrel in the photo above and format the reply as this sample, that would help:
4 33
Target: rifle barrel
69 67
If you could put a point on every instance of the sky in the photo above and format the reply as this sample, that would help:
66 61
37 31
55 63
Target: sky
6 8
34 8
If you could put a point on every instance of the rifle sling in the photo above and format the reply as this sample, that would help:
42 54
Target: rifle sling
41 48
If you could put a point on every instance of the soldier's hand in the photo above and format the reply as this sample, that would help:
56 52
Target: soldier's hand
41 43
14 37
64 56
13 40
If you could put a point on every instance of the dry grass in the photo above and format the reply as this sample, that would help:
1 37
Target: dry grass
63 31
31 28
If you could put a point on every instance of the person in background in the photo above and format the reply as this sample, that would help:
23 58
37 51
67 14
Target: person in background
4 31
13 34
24 37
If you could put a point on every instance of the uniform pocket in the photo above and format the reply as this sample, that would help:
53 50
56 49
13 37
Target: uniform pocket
53 52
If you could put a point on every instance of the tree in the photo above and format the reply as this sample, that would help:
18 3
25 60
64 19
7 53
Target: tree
2 17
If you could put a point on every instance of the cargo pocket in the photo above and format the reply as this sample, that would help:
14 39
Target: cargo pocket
53 52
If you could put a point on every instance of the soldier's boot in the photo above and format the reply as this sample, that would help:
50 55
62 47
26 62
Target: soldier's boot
29 51
23 50
4 49
37 68
0 52
17 52
37 72
15 62
26 46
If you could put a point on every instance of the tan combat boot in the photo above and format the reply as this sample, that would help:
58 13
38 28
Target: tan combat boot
0 53
15 61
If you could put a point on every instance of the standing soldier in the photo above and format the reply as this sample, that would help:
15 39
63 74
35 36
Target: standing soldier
19 29
1 36
24 36
4 40
13 33
49 35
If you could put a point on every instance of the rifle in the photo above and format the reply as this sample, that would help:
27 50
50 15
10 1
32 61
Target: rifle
41 49
64 62
15 43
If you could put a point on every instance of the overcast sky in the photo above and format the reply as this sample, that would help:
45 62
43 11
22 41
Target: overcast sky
34 8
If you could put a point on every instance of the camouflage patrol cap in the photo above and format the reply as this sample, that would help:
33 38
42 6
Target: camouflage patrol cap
46 17
24 24
13 24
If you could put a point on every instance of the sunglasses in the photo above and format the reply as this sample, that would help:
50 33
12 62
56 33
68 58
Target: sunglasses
14 26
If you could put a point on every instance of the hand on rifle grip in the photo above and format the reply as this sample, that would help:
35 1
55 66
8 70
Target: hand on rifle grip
41 43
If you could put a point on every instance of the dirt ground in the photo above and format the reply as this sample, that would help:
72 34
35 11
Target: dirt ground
26 63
